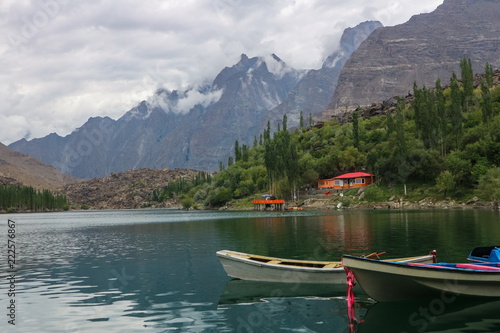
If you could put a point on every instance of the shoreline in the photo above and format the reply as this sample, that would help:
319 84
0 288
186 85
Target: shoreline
315 203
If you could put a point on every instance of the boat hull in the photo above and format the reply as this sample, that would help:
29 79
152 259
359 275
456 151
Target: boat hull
386 281
260 268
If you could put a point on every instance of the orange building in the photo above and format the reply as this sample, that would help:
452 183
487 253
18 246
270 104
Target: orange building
347 181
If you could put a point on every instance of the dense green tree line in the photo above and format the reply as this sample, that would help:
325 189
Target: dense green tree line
446 136
23 198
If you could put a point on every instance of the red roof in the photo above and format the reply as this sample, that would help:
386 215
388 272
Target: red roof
354 175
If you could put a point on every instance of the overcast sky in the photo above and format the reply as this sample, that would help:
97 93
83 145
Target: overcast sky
63 61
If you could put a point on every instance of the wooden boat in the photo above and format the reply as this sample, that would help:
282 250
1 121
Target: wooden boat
392 281
254 267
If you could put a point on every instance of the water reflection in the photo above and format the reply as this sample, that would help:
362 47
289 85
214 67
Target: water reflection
157 271
240 291
433 315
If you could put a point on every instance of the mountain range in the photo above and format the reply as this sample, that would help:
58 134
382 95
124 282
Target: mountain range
197 128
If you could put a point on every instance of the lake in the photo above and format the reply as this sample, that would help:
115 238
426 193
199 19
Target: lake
156 270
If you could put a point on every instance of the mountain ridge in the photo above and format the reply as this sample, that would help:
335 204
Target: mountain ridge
427 47
191 129
23 170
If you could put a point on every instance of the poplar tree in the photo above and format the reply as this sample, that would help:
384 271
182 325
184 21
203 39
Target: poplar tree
440 103
488 73
281 160
401 149
468 83
426 117
487 102
245 153
267 132
455 111
417 106
237 151
355 127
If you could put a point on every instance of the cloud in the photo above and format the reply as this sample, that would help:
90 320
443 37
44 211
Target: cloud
64 61
184 101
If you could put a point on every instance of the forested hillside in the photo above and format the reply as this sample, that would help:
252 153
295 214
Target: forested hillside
445 139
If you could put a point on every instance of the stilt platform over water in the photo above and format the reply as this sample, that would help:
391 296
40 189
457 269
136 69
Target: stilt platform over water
269 205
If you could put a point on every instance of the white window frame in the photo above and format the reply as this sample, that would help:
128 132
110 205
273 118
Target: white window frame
359 181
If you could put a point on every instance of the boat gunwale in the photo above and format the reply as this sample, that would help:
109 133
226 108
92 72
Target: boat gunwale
447 270
248 259
226 254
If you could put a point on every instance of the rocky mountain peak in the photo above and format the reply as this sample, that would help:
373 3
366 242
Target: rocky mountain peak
427 47
349 42
315 89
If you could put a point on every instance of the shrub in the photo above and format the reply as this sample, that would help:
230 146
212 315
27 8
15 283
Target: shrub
187 203
489 186
373 193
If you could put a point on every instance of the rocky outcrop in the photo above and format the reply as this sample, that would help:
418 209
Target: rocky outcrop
427 47
344 114
125 190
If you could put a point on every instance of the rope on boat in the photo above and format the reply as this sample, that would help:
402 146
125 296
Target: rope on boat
351 313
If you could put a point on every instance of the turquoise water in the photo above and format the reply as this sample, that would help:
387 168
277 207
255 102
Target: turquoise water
156 270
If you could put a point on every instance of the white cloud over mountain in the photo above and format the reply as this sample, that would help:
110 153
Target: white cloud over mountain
64 61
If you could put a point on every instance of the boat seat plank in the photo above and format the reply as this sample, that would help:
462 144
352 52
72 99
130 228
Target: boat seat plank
274 262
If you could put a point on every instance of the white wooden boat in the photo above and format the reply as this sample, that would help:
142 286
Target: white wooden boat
393 281
254 267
